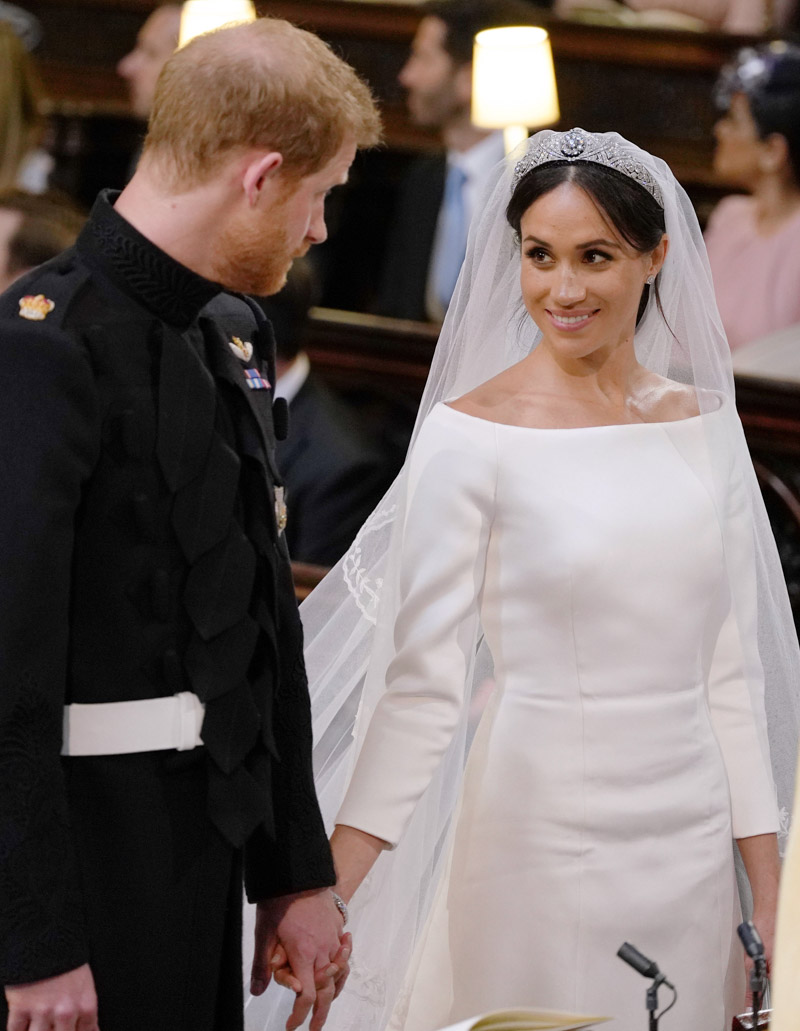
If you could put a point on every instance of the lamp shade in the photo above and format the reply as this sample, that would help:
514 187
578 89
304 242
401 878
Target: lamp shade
198 16
513 79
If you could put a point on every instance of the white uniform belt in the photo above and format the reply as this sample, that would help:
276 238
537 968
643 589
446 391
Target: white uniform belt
118 728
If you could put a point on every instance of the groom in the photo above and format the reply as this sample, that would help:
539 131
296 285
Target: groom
155 741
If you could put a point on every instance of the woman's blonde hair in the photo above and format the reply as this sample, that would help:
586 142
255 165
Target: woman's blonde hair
20 96
262 84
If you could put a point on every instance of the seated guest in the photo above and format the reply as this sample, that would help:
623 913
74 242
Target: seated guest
428 239
33 229
754 241
334 476
155 44
748 17
23 162
141 67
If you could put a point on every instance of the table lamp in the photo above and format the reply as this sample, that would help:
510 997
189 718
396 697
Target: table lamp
199 16
513 82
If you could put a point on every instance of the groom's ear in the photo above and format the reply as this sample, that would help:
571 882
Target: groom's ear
260 175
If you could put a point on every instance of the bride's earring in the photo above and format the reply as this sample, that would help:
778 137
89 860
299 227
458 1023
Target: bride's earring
650 280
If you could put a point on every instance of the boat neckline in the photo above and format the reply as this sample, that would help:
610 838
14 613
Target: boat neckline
573 429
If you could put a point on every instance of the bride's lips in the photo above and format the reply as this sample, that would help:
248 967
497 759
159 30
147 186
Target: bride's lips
570 321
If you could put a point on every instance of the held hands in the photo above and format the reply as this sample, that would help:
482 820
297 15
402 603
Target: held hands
64 1003
299 939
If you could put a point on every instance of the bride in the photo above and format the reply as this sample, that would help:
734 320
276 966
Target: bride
578 533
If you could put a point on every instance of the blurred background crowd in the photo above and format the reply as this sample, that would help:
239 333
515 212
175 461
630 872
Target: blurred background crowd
713 86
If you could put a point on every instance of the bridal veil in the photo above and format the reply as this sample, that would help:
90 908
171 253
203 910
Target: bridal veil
349 618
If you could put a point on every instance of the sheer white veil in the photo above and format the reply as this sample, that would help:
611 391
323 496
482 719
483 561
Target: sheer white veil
349 618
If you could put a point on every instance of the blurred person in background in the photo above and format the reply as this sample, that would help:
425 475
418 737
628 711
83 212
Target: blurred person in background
440 193
754 241
23 162
155 44
333 473
33 229
750 17
141 67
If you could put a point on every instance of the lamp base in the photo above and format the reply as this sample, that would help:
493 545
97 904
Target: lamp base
513 135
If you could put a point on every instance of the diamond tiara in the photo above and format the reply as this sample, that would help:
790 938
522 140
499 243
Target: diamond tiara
577 145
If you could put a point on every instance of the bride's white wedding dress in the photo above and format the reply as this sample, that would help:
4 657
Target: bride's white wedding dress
623 746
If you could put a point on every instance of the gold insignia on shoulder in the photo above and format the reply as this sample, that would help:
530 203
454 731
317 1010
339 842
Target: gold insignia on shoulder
35 308
281 515
243 349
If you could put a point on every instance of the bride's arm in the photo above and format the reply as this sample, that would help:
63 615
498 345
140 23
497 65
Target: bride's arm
736 697
762 863
354 853
427 662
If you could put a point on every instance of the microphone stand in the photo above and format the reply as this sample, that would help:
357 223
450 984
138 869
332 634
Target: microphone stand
754 947
647 968
652 1002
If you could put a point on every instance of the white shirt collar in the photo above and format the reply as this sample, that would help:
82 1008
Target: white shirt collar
476 164
288 385
478 161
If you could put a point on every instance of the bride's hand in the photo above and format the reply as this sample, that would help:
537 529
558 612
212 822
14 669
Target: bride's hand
282 972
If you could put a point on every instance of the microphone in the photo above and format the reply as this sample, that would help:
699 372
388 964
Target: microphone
280 418
631 955
648 968
750 939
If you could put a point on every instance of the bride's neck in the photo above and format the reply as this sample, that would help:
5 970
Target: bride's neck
615 376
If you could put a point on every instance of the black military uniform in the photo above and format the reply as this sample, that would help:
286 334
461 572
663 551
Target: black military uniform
140 557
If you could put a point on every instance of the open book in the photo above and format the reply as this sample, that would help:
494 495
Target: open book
526 1020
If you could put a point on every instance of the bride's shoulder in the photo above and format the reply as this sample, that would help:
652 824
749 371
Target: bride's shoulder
502 399
666 400
480 401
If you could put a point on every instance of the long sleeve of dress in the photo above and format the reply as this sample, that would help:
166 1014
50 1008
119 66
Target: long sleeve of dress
736 682
450 502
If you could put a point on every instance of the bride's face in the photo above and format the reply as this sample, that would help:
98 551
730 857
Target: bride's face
581 281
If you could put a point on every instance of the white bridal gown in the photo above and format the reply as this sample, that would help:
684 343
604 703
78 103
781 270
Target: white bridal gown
622 748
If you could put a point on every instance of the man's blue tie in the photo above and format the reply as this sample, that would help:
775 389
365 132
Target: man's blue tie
453 240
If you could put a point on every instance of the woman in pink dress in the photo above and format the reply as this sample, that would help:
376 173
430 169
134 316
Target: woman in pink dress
754 241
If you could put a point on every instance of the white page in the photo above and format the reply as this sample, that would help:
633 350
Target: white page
526 1020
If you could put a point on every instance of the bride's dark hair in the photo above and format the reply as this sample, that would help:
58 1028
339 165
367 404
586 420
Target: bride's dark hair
634 213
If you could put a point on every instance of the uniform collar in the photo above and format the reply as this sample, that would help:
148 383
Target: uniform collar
171 291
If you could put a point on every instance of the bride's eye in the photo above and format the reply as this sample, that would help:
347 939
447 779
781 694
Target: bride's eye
596 257
538 255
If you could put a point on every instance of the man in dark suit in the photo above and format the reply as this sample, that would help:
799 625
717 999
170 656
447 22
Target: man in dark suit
155 733
427 241
333 472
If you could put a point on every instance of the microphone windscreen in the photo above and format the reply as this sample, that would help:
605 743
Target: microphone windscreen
280 418
631 955
751 939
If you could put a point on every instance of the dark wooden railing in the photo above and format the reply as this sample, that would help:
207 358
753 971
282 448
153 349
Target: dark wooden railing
306 578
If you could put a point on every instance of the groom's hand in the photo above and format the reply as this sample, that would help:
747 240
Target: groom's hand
282 972
64 1003
308 927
